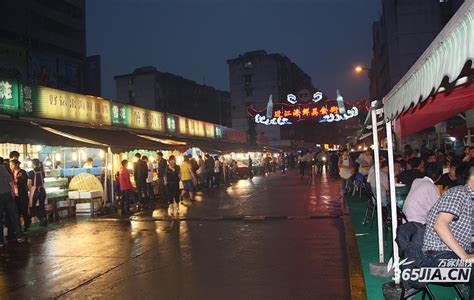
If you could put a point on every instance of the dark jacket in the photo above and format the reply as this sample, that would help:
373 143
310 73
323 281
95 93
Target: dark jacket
209 163
140 172
162 167
22 184
408 176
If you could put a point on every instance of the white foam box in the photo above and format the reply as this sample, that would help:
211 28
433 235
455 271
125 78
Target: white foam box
64 203
73 194
89 194
85 208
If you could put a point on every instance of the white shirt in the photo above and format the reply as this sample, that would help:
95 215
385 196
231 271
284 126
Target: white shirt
365 162
217 166
308 157
149 178
421 198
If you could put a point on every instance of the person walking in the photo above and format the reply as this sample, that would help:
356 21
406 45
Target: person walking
209 163
140 173
126 188
172 185
161 170
149 180
7 204
217 171
20 182
345 170
201 172
38 197
188 178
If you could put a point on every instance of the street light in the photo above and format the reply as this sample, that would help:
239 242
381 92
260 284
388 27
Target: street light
360 68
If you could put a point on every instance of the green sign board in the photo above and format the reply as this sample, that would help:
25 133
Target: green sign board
120 114
9 96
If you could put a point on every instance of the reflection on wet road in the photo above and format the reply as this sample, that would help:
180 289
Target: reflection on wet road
171 259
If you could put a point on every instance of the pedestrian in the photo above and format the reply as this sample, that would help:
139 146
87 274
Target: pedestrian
89 163
172 185
7 204
345 170
37 195
126 188
308 159
267 164
201 172
140 173
149 179
209 163
20 181
321 158
161 170
188 178
217 171
301 164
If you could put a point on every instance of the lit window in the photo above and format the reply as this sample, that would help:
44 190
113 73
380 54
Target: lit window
130 81
248 65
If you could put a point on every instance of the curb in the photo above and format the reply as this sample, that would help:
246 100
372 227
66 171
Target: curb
228 218
356 275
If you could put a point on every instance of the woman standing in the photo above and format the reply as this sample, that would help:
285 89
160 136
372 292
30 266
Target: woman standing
172 184
345 170
38 197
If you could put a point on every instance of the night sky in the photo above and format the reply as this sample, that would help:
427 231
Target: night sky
194 38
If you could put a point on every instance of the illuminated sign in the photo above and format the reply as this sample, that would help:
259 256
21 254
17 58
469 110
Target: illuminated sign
193 127
120 114
318 96
290 113
141 118
55 104
9 96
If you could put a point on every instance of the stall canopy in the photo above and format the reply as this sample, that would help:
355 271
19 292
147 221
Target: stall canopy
435 109
117 140
442 61
26 132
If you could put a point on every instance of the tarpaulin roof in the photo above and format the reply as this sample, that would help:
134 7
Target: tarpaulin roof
446 57
117 140
26 132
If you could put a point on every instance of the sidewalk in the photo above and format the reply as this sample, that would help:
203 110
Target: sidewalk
368 248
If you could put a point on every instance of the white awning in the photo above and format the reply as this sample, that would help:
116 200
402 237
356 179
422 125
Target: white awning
445 57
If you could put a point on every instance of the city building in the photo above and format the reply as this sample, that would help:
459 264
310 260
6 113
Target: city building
44 42
149 88
401 35
256 75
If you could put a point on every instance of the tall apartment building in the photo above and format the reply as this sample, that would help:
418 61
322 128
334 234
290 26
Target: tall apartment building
254 76
44 42
403 32
149 88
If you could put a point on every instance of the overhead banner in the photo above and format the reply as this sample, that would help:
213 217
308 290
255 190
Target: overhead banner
55 104
292 111
9 96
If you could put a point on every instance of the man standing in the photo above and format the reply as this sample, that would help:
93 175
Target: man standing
209 163
423 195
7 203
20 182
140 173
162 167
217 171
149 179
188 178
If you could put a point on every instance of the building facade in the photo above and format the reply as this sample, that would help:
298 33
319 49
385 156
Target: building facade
149 88
44 42
403 32
254 76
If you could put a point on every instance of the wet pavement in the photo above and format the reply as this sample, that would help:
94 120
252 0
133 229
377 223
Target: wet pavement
222 248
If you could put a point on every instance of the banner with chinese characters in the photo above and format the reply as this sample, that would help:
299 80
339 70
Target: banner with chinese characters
9 96
330 110
48 103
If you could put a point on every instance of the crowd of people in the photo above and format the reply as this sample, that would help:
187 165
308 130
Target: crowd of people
175 181
440 199
22 196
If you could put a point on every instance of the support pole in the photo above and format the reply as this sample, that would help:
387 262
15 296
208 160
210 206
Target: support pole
393 199
377 181
106 175
112 177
